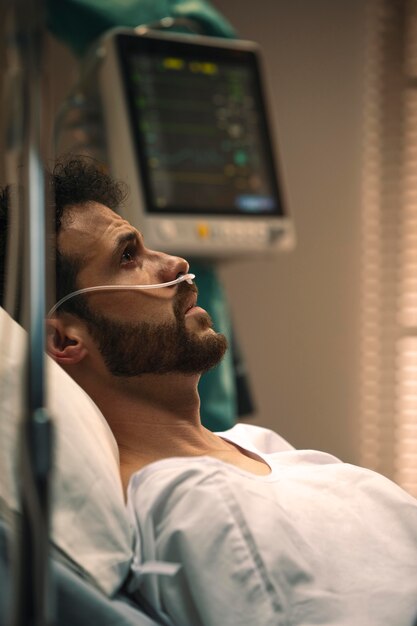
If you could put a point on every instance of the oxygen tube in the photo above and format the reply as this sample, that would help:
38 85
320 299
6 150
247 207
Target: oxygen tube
185 277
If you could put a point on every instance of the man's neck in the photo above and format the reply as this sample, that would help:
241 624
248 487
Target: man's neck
153 417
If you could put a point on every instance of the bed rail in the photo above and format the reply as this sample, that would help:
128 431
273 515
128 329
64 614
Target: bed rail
32 601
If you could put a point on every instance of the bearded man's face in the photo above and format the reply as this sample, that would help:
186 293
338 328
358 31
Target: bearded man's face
137 332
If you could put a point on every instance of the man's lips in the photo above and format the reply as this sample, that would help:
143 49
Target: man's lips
195 310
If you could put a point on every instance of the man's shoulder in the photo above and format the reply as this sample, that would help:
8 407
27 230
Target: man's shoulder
256 438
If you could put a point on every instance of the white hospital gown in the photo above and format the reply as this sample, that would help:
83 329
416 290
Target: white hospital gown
316 541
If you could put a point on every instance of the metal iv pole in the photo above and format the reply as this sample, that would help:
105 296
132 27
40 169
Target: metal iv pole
32 601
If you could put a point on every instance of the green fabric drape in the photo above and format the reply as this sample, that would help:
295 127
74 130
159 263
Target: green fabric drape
79 22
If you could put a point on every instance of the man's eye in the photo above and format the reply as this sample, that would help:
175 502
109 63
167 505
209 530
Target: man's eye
129 255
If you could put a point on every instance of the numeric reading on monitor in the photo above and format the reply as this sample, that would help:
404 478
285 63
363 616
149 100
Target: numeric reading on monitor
200 135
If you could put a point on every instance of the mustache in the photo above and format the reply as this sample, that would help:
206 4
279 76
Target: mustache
184 291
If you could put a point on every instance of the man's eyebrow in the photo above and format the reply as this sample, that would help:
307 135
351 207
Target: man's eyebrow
121 241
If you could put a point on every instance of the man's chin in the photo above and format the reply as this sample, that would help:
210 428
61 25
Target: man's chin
203 352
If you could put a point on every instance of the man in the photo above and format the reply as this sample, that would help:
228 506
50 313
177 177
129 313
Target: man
265 534
134 352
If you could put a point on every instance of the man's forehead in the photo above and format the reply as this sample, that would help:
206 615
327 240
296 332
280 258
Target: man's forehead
91 212
90 226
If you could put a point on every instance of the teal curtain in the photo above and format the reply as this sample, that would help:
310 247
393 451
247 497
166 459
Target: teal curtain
217 388
80 22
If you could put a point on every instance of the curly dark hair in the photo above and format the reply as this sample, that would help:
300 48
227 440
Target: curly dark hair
74 182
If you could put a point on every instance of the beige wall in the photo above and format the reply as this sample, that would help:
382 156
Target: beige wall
297 314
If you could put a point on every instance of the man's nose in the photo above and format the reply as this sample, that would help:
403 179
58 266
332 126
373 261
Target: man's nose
172 267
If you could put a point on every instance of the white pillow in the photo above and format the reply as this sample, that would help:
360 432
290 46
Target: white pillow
89 519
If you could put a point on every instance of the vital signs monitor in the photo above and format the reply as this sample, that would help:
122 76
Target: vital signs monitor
187 129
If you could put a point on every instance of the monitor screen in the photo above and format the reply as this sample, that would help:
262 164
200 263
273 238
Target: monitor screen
199 126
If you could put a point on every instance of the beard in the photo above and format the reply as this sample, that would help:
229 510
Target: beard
132 349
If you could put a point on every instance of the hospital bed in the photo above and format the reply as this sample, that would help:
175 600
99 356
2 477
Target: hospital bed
90 535
78 602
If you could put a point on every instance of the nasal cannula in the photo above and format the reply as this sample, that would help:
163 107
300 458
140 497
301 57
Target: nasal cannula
185 277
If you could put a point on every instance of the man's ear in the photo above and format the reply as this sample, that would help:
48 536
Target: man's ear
64 342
